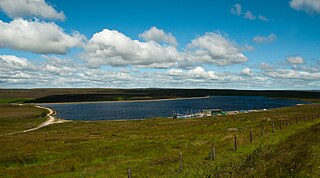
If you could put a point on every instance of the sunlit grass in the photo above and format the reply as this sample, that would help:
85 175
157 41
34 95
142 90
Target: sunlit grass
15 118
13 100
151 147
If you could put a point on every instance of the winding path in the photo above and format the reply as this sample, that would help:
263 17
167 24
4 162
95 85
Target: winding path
51 120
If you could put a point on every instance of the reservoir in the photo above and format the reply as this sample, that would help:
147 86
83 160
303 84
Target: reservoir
128 110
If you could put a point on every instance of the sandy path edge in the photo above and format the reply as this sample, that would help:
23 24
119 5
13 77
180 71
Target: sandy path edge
50 120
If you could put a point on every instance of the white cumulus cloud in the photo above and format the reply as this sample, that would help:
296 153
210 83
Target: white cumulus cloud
110 47
214 48
246 71
30 8
55 72
199 72
309 6
204 77
13 62
293 74
237 10
113 48
265 39
295 60
37 37
158 36
249 15
263 18
195 73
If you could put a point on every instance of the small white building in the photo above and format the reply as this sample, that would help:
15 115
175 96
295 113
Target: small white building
212 112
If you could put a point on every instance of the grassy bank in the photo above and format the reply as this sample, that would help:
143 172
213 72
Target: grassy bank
15 118
297 156
151 147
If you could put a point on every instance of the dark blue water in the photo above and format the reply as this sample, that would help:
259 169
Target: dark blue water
149 109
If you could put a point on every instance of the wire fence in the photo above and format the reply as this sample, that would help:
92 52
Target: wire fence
268 127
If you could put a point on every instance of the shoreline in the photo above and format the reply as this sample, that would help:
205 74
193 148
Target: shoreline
39 105
51 111
125 101
51 119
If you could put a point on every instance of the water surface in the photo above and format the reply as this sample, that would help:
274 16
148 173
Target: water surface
165 108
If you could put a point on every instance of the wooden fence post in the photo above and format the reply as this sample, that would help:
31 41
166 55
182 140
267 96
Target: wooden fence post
213 153
235 143
250 136
129 173
280 122
286 123
272 127
180 161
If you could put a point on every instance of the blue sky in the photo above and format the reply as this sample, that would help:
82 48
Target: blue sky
181 44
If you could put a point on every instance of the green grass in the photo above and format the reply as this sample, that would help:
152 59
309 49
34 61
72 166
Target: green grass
15 118
151 147
13 100
298 156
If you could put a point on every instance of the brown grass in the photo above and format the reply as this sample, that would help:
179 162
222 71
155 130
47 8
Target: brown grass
15 118
149 147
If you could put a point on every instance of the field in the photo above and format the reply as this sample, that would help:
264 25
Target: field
15 118
151 148
85 94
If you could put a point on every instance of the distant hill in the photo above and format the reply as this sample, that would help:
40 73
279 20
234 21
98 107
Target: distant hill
94 94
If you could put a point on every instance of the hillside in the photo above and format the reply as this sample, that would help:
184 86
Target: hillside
150 148
85 95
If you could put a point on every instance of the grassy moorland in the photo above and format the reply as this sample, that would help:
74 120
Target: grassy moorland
87 94
151 147
15 118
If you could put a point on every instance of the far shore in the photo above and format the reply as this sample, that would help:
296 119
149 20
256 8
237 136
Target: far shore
151 100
